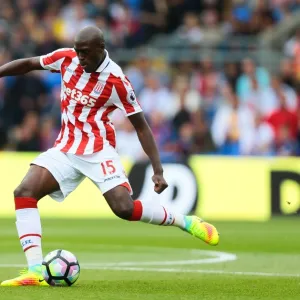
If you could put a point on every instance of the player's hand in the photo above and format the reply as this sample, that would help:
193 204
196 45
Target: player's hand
159 183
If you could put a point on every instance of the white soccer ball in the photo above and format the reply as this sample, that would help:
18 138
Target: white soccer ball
60 268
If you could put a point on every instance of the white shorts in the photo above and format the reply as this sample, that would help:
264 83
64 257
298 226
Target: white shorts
103 168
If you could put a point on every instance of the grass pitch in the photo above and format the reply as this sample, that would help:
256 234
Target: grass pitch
122 260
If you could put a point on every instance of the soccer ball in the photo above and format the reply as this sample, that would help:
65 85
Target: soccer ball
60 268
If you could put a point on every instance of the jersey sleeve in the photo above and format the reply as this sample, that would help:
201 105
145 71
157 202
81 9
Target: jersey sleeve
54 60
126 99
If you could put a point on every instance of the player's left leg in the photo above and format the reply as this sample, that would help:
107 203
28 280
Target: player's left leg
37 183
51 173
121 203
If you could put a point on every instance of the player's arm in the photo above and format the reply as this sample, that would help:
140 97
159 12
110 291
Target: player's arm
148 143
20 66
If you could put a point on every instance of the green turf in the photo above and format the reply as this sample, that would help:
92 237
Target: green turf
107 249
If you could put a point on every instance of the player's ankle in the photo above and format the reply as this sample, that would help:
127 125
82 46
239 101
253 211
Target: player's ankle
187 222
37 268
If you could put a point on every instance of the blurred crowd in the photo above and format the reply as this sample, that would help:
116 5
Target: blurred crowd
33 27
240 109
192 107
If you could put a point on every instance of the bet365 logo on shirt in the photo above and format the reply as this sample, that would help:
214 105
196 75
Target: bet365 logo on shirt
78 96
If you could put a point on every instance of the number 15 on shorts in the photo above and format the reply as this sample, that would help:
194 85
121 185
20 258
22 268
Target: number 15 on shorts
108 167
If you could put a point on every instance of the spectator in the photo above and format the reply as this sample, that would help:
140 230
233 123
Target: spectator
292 49
270 99
230 75
24 137
138 71
242 11
190 31
134 5
263 17
207 83
287 73
285 143
48 133
263 138
202 138
185 101
233 126
21 98
175 14
102 22
124 26
206 78
95 8
254 98
75 18
184 97
7 14
164 137
281 9
46 42
155 97
21 43
153 18
250 70
185 139
210 19
284 122
241 16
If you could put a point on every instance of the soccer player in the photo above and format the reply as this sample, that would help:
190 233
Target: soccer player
93 86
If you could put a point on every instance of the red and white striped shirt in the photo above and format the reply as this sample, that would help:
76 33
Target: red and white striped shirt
87 101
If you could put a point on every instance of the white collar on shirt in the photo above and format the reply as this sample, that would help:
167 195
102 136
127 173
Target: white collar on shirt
104 63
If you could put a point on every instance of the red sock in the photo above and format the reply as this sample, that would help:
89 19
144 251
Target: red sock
25 202
137 211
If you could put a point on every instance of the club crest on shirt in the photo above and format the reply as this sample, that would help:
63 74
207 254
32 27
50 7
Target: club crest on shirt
98 88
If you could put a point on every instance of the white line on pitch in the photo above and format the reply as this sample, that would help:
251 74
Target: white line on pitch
215 257
169 270
221 257
221 272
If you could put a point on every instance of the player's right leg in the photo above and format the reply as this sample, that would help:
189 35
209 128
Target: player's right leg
37 183
125 208
115 187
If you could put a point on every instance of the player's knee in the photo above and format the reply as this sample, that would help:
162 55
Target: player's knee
23 191
123 210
